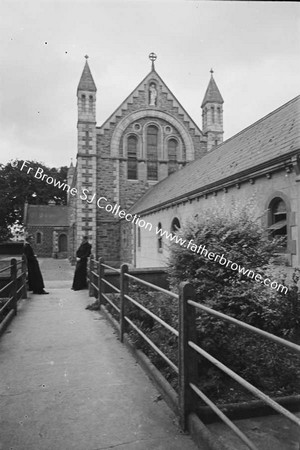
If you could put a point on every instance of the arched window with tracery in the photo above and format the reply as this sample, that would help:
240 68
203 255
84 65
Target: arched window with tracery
152 151
172 155
132 164
278 219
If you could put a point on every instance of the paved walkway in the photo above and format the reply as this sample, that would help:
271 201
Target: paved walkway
66 382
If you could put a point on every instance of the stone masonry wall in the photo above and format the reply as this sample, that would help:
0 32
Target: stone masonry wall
46 247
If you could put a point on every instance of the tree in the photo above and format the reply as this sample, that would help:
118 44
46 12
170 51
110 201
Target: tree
17 186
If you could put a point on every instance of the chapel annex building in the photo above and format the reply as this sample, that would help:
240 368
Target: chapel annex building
149 137
152 160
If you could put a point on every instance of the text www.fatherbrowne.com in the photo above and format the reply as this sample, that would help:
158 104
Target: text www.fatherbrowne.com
202 250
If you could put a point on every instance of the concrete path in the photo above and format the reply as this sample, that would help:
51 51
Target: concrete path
66 382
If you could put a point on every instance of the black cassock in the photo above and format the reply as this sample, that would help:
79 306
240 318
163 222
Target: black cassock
35 279
79 281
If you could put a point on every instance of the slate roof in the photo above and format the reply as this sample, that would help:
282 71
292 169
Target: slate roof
275 135
86 82
46 215
212 93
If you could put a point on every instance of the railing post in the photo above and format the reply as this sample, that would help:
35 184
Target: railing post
123 292
100 277
24 269
90 275
187 359
13 277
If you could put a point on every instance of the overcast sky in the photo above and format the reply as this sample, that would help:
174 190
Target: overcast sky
253 47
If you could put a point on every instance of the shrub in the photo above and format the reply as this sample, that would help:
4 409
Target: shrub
241 239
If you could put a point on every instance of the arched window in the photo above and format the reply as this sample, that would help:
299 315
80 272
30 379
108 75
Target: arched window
159 240
91 103
172 155
213 114
152 145
138 237
278 217
83 101
132 158
38 237
62 243
175 225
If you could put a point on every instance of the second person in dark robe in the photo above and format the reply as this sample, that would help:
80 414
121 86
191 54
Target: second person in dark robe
83 252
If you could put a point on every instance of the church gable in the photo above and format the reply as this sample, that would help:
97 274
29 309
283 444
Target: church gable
152 93
152 104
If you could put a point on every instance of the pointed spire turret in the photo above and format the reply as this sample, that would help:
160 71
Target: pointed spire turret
212 94
212 114
86 82
86 95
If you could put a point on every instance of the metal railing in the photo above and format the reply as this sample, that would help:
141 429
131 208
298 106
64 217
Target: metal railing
15 289
188 349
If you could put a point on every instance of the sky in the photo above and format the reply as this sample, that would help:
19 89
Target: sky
253 48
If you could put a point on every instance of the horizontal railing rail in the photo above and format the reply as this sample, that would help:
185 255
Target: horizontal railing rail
291 346
188 348
5 268
152 286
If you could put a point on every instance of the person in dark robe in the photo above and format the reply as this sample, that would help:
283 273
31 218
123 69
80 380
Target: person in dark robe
83 252
35 278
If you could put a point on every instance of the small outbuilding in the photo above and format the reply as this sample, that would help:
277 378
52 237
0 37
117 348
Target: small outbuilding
49 226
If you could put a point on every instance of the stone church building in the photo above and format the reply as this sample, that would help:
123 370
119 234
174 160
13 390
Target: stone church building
146 139
150 160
